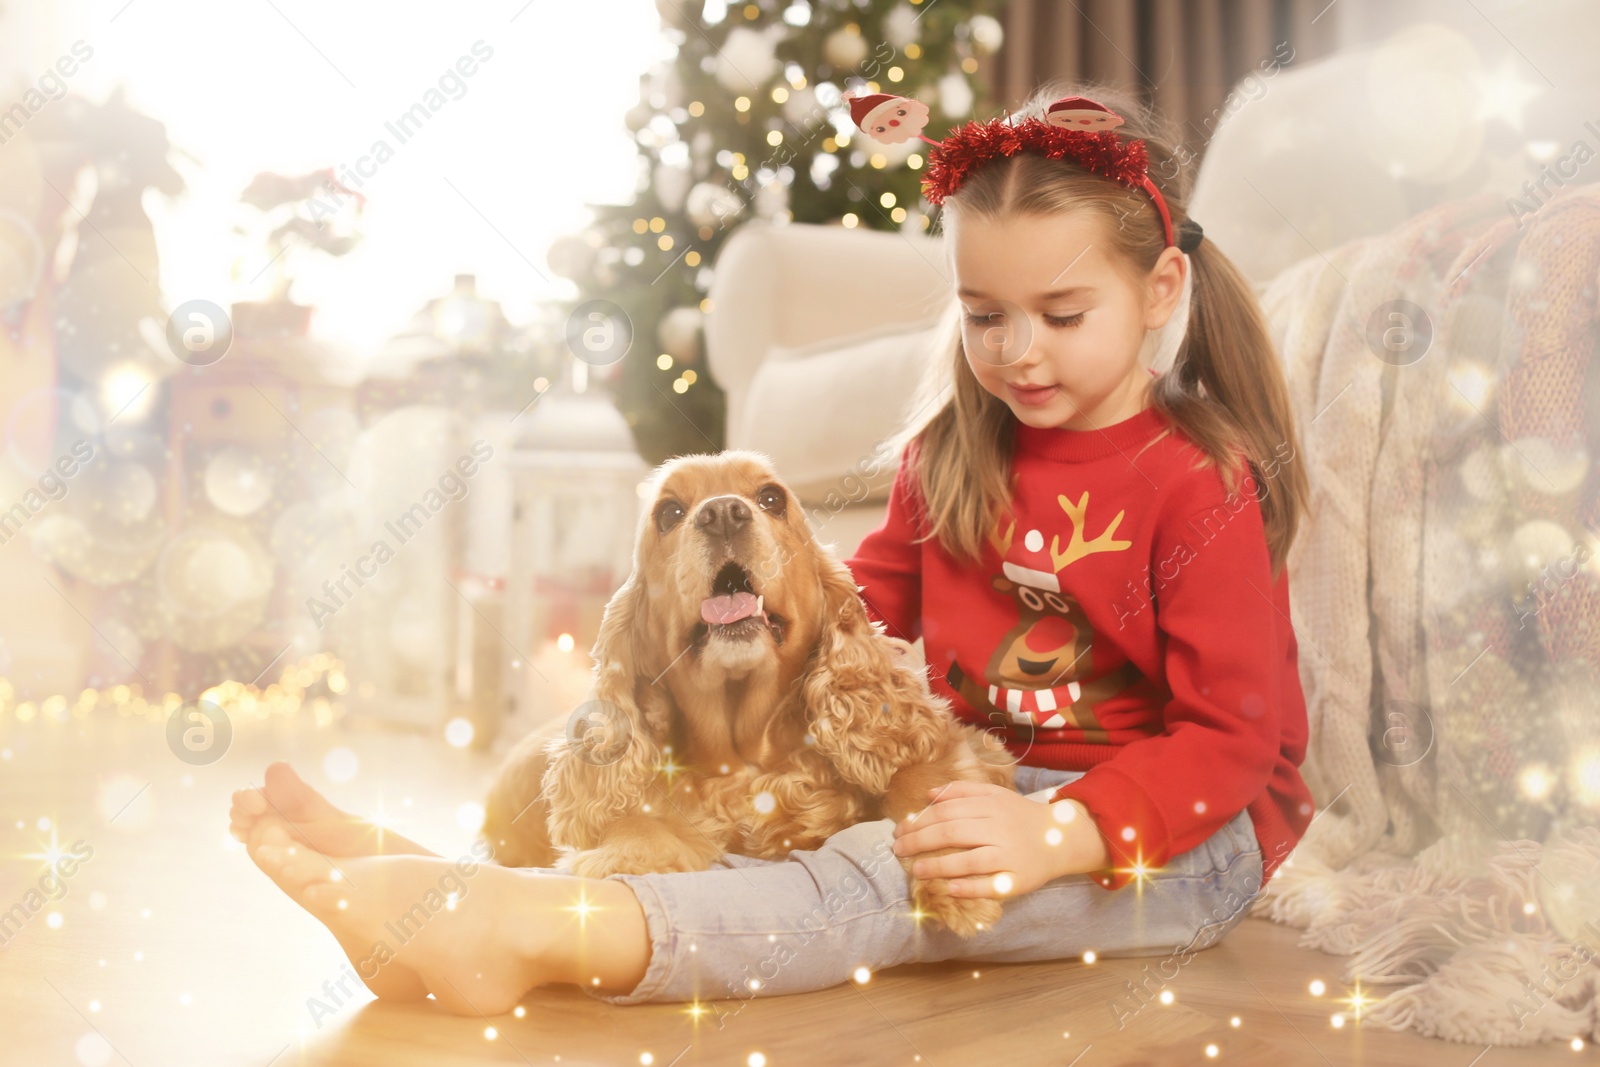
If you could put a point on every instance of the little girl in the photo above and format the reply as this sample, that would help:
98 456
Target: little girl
1093 554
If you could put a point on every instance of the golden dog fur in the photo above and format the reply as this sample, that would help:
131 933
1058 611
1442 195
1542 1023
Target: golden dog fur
759 737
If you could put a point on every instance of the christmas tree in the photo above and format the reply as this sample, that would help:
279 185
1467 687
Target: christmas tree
746 122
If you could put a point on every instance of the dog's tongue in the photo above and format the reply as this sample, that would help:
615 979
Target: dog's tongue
719 610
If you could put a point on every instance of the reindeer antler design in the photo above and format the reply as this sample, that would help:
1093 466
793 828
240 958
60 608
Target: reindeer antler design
1002 541
1077 547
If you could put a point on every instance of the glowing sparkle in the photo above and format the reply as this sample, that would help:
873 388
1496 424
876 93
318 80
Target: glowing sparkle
490 1033
1337 1020
1472 384
565 643
1577 1044
756 1059
459 732
1139 871
861 975
1053 836
1536 782
1089 957
1318 987
669 768
1063 811
1212 1052
582 908
1586 775
1236 1022
646 1059
695 1010
1357 1000
765 803
50 854
469 816
344 905
519 1011
1166 996
54 920
1003 883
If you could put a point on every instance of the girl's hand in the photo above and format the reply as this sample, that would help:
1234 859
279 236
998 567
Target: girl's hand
1001 831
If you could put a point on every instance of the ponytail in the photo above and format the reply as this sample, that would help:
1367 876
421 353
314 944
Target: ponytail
1227 392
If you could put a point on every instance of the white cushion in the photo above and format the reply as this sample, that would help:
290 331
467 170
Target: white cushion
825 412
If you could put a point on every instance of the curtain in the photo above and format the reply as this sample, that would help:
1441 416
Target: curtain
1182 55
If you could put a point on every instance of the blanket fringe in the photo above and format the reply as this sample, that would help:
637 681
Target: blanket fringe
1462 932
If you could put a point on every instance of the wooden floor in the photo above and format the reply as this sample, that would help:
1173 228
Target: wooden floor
170 949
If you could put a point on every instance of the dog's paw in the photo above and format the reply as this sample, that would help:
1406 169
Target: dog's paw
962 916
641 845
596 863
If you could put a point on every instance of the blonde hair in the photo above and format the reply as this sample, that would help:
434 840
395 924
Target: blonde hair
1225 390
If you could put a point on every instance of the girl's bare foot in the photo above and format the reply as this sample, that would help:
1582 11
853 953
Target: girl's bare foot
311 819
477 936
286 814
271 845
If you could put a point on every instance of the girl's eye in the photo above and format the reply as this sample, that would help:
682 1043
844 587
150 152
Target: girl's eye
1065 320
988 318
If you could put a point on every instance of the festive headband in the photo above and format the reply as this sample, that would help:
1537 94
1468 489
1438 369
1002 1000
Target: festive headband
1074 128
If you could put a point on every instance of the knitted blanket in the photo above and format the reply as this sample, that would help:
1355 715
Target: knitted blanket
1446 596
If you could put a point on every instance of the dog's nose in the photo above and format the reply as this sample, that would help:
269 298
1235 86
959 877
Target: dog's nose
722 516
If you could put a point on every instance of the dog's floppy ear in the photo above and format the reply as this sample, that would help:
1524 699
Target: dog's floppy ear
870 712
605 764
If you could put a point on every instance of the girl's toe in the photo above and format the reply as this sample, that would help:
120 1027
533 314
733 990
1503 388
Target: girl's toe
271 832
325 900
303 868
268 858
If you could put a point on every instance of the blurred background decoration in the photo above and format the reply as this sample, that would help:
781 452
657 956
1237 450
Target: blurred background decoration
293 217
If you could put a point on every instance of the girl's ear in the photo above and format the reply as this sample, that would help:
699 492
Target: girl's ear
869 712
1165 287
604 766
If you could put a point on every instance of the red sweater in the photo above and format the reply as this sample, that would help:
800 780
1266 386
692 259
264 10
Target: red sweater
1122 621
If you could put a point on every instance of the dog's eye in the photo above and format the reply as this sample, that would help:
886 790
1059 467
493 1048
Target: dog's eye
773 499
668 514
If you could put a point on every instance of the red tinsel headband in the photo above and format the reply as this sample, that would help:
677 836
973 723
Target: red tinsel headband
1074 128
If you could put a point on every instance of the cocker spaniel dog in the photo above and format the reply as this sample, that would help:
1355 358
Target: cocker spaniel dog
742 702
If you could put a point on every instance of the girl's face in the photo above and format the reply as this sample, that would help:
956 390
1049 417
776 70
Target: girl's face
1050 326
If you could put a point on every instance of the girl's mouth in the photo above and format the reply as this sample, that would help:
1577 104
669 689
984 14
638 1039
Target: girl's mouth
1033 396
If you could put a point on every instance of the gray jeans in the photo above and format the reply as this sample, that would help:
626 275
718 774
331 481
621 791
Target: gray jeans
749 927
